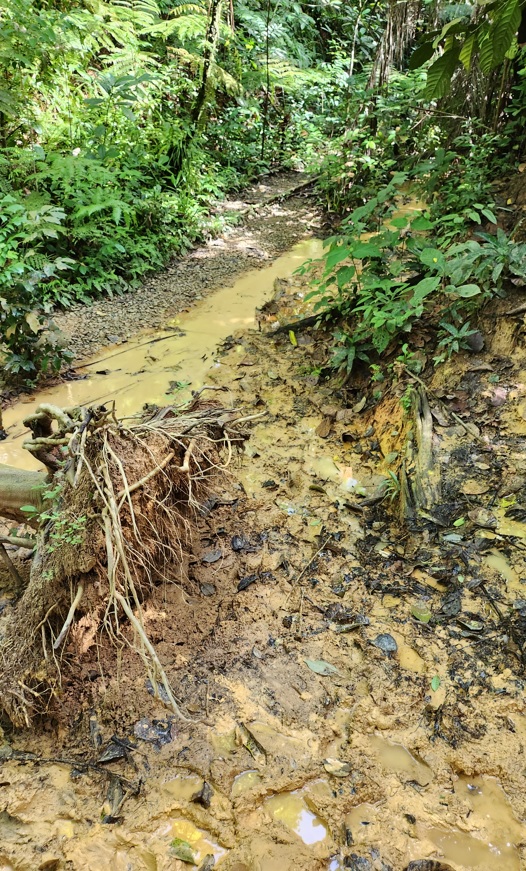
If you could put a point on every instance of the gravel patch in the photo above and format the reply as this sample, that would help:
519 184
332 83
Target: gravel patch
266 229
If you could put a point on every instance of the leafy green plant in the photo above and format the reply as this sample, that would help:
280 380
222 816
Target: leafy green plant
452 339
30 343
391 486
377 286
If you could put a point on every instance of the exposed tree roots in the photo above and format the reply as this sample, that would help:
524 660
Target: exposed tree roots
118 516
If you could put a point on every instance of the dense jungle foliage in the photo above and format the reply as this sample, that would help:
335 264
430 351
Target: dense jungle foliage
122 122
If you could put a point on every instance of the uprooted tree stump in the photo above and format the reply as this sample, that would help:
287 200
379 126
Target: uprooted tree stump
113 515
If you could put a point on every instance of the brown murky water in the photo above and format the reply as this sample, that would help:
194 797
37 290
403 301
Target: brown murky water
276 803
141 370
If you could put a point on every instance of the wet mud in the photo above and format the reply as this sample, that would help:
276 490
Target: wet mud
355 699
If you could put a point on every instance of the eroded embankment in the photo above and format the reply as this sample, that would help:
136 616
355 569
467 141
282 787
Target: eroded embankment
357 699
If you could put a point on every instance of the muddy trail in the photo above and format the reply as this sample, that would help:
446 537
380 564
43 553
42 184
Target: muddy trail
353 682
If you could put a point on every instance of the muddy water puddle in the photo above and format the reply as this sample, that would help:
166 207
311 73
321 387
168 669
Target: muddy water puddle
141 371
291 809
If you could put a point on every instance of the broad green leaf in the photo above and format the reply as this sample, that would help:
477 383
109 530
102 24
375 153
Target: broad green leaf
485 54
433 258
435 683
336 255
426 286
29 509
460 522
466 52
489 215
400 222
366 249
422 54
453 26
33 321
345 274
504 29
439 74
421 223
319 666
467 290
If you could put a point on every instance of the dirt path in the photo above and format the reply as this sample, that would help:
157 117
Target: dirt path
263 223
357 700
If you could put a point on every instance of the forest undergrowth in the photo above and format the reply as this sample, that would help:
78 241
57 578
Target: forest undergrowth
123 123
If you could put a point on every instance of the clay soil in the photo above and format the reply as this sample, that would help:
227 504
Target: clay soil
353 684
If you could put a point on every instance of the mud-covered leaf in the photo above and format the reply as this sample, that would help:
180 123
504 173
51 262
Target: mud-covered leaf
246 582
324 428
337 768
156 732
452 603
212 556
360 405
320 666
421 612
114 750
483 517
475 488
471 625
183 851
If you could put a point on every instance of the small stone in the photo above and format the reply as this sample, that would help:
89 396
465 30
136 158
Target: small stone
207 590
475 342
386 643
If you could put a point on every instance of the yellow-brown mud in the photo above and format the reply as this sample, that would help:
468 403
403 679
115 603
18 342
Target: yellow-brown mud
283 572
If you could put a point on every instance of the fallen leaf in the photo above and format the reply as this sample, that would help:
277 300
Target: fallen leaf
483 517
324 428
183 851
499 397
474 488
212 556
319 666
440 418
360 405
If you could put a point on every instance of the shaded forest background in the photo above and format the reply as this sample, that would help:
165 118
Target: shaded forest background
121 123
